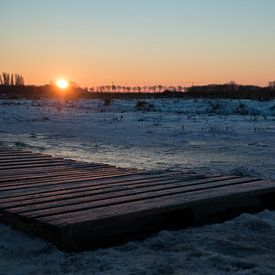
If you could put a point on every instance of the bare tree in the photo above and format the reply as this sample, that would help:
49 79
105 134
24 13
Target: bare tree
18 80
11 79
6 79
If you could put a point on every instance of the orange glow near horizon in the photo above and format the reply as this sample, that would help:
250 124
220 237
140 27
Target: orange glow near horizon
181 72
138 43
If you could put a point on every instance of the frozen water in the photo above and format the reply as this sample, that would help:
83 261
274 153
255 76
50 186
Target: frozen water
204 136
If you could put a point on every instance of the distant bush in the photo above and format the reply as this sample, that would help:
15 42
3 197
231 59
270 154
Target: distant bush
214 108
241 109
145 106
20 144
107 101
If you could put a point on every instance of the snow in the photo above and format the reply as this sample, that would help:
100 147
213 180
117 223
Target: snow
245 245
201 136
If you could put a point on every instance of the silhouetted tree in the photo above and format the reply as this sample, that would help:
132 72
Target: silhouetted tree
6 79
11 79
19 80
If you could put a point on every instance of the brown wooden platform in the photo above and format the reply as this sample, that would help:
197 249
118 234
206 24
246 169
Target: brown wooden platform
88 205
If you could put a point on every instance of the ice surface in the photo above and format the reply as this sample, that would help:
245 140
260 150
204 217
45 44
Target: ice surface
204 136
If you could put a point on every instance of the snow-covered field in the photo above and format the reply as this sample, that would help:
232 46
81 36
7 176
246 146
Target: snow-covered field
204 136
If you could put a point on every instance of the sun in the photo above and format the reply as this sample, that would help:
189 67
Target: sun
62 83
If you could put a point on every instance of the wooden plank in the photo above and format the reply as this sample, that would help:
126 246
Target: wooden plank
76 182
110 192
19 153
24 157
38 170
14 164
79 185
30 161
33 165
53 186
93 188
62 198
163 203
57 179
24 160
40 176
72 184
54 181
29 172
122 198
48 176
65 175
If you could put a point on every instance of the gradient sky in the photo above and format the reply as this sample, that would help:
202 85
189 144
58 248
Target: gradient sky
139 42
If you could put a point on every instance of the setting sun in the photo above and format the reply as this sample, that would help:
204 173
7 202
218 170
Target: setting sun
62 83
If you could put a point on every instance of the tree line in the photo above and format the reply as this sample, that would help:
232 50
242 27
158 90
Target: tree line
12 86
8 79
135 89
232 91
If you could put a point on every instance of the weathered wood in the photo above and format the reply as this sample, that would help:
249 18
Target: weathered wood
49 164
80 181
117 194
80 205
76 185
172 202
51 176
77 193
23 160
19 153
31 162
46 184
36 171
79 186
23 157
44 175
25 172
102 200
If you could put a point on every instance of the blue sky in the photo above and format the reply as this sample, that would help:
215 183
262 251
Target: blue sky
139 42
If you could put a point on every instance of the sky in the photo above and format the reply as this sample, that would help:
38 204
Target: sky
139 42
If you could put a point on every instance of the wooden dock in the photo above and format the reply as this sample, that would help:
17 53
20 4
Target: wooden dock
87 205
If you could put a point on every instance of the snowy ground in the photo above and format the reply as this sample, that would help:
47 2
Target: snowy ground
204 136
